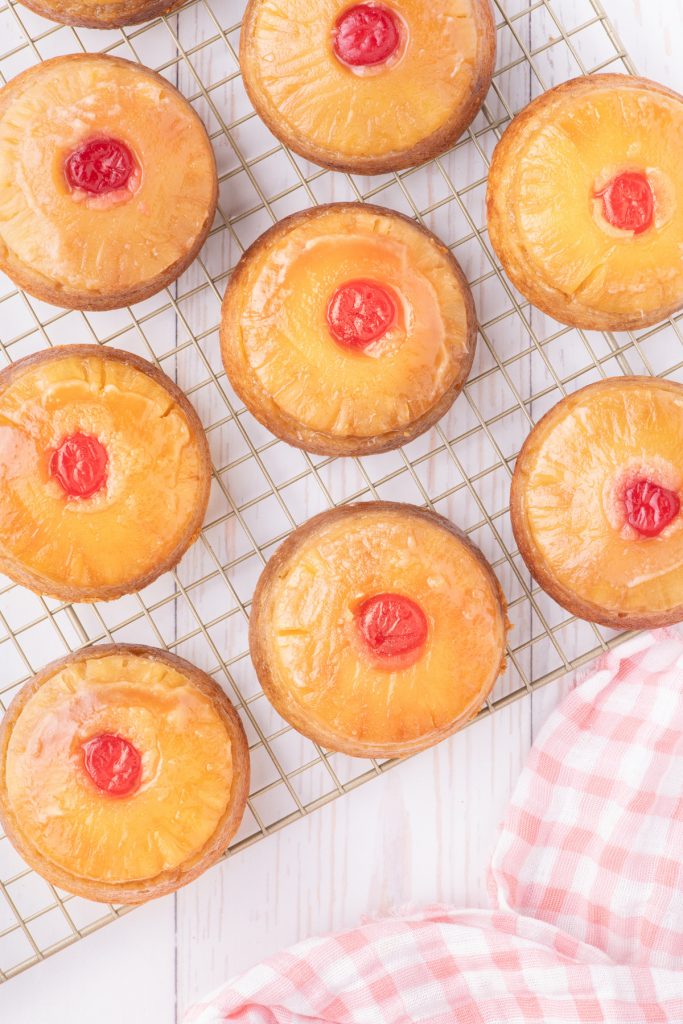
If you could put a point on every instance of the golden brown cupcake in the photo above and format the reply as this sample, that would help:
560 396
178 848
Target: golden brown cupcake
596 502
108 182
98 14
348 329
104 473
585 202
378 629
369 87
124 773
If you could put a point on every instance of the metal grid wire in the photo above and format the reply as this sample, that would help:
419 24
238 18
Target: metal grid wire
261 488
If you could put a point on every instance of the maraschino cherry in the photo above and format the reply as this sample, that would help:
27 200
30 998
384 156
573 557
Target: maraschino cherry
628 202
366 35
650 507
99 166
360 312
113 764
80 465
392 626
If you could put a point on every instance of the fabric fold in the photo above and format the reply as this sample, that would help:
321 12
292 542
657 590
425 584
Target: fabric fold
586 885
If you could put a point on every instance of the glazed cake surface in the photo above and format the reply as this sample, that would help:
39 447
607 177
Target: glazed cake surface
104 473
107 181
596 502
368 87
121 772
378 629
348 328
586 202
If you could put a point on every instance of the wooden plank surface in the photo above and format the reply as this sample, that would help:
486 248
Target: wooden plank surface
422 833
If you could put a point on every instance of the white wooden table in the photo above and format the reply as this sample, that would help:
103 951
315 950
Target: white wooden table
422 833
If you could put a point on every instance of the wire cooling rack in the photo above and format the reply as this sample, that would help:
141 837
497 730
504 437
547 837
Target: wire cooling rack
261 488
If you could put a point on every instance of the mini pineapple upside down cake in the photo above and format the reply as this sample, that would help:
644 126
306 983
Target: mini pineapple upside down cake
124 773
368 87
102 13
104 473
378 629
585 202
597 498
108 182
348 329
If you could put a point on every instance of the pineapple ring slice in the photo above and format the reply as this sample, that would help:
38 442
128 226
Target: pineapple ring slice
100 249
561 179
378 629
369 87
596 502
191 763
348 329
104 473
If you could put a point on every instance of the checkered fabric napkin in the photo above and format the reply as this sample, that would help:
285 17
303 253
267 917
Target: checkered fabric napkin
586 889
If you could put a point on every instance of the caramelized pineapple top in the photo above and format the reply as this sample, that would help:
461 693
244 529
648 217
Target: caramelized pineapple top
599 486
383 626
101 473
364 78
351 321
588 197
118 768
107 175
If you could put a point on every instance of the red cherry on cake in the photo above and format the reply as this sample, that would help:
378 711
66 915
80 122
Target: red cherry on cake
80 465
99 166
392 626
359 313
366 35
629 203
113 764
649 507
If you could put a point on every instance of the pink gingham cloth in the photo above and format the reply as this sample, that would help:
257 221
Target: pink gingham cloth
586 889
